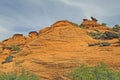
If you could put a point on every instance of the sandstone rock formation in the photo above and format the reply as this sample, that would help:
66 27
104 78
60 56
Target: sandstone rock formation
60 48
6 50
16 39
19 39
93 24
89 23
33 35
1 47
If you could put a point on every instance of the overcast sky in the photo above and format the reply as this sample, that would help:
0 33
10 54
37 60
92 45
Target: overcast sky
23 16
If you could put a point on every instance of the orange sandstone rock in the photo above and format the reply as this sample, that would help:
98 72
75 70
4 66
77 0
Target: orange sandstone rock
93 24
33 34
60 48
16 39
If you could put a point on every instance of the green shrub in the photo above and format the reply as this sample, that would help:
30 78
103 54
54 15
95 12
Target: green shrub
8 59
116 28
25 75
95 35
103 24
104 44
109 35
118 34
83 27
101 44
105 35
94 44
99 72
15 48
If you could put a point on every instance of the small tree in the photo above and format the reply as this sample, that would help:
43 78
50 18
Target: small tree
103 24
15 47
116 28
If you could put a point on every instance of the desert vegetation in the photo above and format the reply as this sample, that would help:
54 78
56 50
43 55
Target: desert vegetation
100 44
103 24
105 35
58 49
95 35
24 75
116 28
15 48
98 72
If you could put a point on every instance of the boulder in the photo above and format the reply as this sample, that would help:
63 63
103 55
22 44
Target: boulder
33 34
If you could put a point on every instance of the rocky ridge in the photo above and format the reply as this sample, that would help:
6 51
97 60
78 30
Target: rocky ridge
56 50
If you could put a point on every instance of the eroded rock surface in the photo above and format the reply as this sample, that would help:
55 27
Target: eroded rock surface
60 48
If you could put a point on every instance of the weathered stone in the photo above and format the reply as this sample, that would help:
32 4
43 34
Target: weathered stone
33 34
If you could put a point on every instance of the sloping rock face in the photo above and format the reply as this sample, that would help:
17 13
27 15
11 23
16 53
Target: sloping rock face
59 49
15 40
1 45
62 30
53 51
